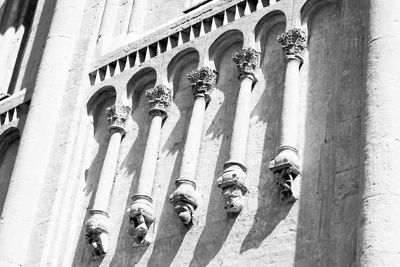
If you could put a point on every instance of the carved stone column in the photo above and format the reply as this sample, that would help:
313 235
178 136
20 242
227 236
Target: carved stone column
141 212
379 224
286 165
184 197
97 226
233 181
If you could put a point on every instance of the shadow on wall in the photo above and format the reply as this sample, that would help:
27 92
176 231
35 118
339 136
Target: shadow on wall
316 237
97 149
9 142
270 211
170 230
218 223
332 143
125 254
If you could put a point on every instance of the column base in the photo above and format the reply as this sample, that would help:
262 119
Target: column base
141 216
184 200
233 183
97 232
286 168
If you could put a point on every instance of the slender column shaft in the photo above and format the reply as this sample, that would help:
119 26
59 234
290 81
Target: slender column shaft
193 140
19 213
286 165
107 173
137 17
379 224
148 171
241 121
141 212
233 181
184 198
98 224
290 107
107 27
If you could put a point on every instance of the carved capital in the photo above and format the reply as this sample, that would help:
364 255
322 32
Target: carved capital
141 216
159 98
116 116
293 43
203 81
184 200
286 167
246 60
234 186
97 231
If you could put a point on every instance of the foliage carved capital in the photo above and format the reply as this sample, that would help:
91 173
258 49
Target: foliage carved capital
203 81
246 60
294 43
159 99
117 115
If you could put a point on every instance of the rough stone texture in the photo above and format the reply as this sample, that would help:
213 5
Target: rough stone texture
320 229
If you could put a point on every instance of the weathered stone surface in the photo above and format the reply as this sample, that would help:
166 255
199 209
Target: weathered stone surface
318 230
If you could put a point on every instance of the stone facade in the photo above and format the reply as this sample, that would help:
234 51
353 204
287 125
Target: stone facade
199 133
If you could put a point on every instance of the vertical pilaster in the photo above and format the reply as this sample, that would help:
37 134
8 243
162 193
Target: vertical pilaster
379 224
141 212
184 197
286 165
137 17
22 201
97 226
107 26
233 181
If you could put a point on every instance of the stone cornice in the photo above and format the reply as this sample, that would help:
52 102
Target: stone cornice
191 26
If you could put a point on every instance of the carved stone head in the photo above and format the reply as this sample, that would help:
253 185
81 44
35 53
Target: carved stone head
141 216
234 186
97 231
184 200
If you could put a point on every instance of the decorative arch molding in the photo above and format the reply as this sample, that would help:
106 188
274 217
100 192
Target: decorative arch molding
141 80
9 136
99 97
264 26
222 43
178 62
312 6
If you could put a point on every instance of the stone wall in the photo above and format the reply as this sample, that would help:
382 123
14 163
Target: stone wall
319 229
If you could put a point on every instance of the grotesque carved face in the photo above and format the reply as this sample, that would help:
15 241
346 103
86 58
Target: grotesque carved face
185 212
233 198
139 226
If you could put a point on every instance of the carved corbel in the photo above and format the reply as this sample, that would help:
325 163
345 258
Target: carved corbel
286 165
141 212
97 232
97 226
184 198
233 181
